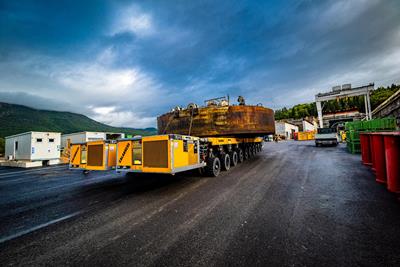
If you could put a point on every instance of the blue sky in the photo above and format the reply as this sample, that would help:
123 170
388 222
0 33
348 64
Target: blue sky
125 62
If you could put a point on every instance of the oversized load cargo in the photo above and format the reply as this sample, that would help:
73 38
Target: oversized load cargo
210 139
218 118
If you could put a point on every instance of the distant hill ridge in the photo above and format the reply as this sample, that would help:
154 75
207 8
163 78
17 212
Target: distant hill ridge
16 119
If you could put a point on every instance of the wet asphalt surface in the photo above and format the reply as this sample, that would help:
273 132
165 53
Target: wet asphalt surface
292 205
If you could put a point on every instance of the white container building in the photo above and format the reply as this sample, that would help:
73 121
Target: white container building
308 126
83 137
43 148
285 129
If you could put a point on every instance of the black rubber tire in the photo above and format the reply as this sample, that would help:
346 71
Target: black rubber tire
202 171
234 158
213 167
240 155
251 152
225 162
246 153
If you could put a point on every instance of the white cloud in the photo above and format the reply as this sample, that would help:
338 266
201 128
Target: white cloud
134 20
342 12
107 56
388 67
90 87
110 115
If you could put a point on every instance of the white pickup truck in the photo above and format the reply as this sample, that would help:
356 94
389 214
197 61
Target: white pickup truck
326 136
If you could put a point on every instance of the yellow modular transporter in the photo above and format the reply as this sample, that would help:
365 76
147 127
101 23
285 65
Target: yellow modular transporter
159 154
175 153
169 154
94 156
226 135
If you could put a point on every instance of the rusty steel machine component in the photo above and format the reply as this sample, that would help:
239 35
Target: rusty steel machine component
218 118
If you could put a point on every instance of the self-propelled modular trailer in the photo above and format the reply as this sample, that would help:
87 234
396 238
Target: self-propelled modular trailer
224 135
167 154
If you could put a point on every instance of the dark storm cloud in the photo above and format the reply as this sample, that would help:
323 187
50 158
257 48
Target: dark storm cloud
125 62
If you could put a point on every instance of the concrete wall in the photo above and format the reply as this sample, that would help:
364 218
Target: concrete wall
285 129
308 126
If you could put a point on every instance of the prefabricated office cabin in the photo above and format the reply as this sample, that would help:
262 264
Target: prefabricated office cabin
83 137
33 146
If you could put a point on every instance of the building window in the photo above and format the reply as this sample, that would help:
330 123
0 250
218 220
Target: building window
16 145
51 140
39 140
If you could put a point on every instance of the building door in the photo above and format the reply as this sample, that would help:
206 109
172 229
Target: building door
15 148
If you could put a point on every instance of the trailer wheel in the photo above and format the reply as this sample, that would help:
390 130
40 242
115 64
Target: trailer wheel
225 162
251 152
240 155
213 167
234 158
246 153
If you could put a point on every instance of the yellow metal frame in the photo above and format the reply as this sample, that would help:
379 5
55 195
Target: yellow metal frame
220 141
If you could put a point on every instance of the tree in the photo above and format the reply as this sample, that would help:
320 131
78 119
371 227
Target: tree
2 146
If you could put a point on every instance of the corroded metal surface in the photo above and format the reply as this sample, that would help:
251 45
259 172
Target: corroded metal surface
218 121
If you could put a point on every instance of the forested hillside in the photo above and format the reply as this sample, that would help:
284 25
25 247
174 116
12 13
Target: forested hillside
18 119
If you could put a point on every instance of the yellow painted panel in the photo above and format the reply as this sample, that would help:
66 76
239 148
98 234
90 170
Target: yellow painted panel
75 155
193 157
155 137
124 155
112 155
180 157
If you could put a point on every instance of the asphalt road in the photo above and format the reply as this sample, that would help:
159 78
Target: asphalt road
293 204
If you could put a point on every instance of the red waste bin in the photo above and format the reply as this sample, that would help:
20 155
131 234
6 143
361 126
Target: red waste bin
371 149
379 157
365 149
392 154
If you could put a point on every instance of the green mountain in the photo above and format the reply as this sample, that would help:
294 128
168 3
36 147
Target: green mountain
18 119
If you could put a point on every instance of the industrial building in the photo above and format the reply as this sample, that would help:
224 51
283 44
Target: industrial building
307 124
285 129
32 149
82 137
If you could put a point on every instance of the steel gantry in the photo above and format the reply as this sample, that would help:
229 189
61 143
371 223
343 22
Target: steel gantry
343 92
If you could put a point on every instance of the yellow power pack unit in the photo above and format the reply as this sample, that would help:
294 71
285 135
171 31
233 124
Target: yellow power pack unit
78 156
159 154
95 155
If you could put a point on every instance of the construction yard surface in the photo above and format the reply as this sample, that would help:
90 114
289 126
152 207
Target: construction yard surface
293 204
